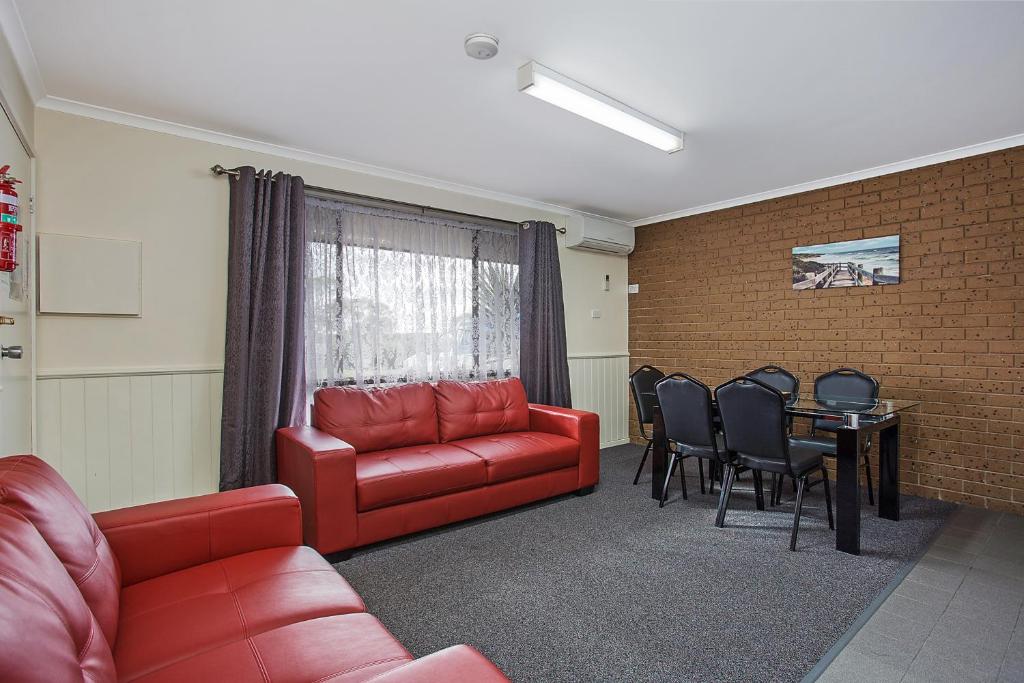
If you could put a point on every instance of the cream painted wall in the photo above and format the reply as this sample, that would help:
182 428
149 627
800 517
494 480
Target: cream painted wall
103 179
14 95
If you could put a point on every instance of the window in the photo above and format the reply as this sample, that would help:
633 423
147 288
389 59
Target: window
403 297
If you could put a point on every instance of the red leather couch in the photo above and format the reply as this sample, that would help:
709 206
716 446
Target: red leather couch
213 588
380 463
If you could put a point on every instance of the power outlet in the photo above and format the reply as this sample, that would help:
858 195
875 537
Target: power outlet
633 289
595 313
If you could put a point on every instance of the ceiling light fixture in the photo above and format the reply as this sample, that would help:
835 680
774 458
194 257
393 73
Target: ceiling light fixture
562 91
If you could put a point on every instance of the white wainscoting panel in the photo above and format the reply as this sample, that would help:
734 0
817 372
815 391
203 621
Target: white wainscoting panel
600 384
130 438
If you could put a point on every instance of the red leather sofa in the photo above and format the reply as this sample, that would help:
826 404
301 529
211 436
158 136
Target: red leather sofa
214 588
381 463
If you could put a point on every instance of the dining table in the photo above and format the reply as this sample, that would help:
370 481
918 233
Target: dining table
858 418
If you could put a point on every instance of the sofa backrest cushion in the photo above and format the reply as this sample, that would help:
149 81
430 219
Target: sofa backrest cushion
376 419
466 409
33 489
47 632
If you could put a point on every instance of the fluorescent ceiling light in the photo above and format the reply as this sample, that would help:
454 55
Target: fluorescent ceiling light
561 91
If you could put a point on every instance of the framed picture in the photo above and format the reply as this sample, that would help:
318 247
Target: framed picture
856 263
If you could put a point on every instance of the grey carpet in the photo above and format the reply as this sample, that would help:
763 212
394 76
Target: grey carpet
609 587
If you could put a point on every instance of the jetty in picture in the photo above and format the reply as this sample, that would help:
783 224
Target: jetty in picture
855 263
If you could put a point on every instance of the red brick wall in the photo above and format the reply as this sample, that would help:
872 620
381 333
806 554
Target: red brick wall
716 300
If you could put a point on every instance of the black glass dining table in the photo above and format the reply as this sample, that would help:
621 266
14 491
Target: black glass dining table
857 418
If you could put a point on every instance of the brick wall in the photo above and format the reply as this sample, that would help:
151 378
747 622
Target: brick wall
716 300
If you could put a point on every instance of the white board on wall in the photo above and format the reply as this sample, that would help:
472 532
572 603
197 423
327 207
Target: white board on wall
89 275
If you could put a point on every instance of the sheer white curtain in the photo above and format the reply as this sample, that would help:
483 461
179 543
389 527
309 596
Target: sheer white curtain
402 297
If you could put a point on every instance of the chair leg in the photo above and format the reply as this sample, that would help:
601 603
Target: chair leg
682 478
700 468
867 474
775 489
828 498
642 461
723 498
673 459
758 490
796 513
713 467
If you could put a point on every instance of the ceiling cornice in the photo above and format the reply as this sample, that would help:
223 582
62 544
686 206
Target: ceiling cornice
182 130
25 59
831 181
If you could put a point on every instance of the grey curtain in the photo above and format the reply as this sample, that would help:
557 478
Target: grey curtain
264 383
543 360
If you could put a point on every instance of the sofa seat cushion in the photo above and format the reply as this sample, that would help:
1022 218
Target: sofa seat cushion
190 611
338 649
378 418
519 454
401 475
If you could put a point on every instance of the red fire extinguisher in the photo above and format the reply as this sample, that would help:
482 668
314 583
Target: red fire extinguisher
9 226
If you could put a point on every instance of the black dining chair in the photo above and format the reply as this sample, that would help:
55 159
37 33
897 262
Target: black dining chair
788 383
754 420
846 383
688 412
641 386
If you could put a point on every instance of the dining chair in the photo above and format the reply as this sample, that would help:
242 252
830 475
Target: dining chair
788 383
754 420
688 412
641 386
847 383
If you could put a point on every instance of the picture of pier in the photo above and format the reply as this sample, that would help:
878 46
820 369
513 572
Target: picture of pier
856 263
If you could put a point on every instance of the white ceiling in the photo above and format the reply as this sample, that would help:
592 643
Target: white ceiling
769 94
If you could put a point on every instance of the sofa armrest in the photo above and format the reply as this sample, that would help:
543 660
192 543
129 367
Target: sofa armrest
322 471
456 663
159 538
578 425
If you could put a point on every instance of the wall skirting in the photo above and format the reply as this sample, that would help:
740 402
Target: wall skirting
598 384
127 436
130 436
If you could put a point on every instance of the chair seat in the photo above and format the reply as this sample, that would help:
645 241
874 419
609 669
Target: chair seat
803 460
412 473
177 615
513 455
827 424
339 649
706 452
822 444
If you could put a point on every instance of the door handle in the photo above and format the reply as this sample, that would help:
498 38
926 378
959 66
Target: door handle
12 352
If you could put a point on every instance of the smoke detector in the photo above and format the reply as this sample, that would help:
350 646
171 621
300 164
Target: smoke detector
481 45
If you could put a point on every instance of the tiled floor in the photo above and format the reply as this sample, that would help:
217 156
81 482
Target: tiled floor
957 615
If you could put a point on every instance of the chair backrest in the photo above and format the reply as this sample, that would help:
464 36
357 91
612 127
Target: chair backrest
34 490
753 418
47 631
780 378
687 409
845 382
641 385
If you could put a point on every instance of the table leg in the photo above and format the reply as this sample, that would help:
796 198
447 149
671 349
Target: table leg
659 456
889 473
848 463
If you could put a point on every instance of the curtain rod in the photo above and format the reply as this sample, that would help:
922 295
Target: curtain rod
217 169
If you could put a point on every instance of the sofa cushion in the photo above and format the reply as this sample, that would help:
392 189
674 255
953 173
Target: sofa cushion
178 615
520 454
466 409
47 632
375 419
401 475
35 490
339 649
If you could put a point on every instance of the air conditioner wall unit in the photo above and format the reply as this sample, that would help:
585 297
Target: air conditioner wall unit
587 233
